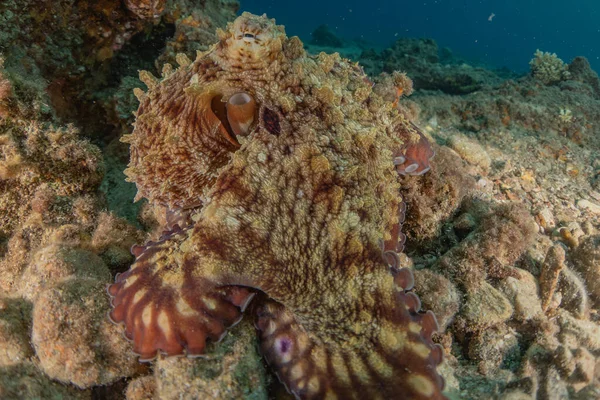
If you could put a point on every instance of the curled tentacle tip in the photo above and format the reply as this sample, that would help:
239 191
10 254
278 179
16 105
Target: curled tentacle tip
414 158
110 318
241 109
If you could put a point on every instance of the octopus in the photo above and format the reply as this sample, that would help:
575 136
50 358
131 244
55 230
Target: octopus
280 176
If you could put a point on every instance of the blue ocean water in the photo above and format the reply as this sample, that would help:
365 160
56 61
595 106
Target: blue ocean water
500 33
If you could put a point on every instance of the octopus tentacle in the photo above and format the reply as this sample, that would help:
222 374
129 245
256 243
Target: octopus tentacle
398 363
414 157
167 309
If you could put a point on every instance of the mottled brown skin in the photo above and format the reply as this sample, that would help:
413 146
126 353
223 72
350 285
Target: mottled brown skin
298 210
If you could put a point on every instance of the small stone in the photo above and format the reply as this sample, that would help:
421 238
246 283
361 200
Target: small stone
492 347
485 307
545 218
523 295
470 151
574 295
553 264
588 206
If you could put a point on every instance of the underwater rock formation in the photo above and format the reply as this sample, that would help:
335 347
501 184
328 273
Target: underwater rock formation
249 194
568 108
533 143
73 55
233 370
55 244
323 36
420 60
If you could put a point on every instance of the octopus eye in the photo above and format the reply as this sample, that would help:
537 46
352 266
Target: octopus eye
249 35
240 113
236 116
270 121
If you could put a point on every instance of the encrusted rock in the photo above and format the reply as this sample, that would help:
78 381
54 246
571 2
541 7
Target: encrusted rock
574 294
523 294
471 151
576 332
485 306
142 388
586 260
438 294
74 340
56 262
492 347
232 369
14 332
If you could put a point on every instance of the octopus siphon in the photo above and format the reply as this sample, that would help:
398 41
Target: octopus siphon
280 173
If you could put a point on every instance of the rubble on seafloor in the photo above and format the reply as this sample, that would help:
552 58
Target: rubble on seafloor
502 233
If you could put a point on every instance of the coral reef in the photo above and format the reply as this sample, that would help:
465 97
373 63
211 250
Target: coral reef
548 68
195 24
73 56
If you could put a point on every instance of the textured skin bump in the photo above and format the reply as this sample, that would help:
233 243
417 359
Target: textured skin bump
297 208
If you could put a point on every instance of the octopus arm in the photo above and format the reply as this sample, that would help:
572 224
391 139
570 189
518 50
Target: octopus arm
398 363
414 157
166 308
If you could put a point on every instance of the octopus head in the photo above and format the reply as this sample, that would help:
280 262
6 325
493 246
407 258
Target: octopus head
251 42
191 122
